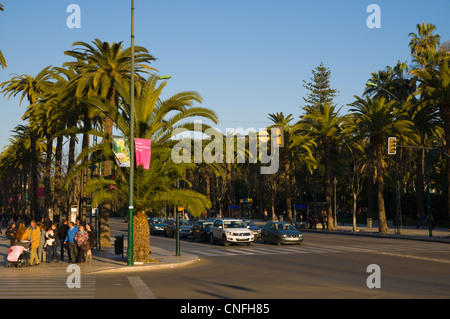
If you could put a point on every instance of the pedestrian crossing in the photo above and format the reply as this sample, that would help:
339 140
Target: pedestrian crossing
306 249
51 283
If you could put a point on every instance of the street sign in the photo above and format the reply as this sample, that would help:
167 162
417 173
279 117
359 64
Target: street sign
246 200
392 145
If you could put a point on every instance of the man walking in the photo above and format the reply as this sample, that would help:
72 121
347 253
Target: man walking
70 238
33 234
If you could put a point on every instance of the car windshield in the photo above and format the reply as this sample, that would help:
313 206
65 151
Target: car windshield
249 223
284 227
206 225
234 224
184 223
158 221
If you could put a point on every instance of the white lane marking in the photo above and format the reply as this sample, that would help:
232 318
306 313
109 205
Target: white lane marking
140 288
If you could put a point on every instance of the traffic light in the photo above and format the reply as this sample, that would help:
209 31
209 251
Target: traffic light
392 145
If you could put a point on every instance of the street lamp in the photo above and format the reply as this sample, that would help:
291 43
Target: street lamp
130 260
335 219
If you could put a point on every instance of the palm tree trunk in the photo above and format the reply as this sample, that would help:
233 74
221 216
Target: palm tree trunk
34 175
48 167
59 198
419 182
105 209
328 184
287 169
382 228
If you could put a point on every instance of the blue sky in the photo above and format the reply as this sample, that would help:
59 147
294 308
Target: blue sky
246 58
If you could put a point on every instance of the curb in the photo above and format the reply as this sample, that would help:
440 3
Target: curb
439 239
189 259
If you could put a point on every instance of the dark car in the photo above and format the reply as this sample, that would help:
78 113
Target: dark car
281 233
200 230
170 226
253 227
157 225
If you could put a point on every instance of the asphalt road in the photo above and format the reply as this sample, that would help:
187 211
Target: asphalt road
324 266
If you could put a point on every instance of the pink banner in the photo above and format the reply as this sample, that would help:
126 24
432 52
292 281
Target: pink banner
143 152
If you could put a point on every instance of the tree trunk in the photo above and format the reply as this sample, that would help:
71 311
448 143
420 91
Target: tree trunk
419 182
287 169
59 191
382 228
354 211
47 182
105 209
328 184
34 175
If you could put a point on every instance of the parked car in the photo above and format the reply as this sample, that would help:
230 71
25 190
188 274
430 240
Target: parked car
170 228
253 227
281 233
230 230
156 225
200 230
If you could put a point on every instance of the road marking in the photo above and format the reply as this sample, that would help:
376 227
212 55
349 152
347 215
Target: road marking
140 288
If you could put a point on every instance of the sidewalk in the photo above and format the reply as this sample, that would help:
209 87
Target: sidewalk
105 260
406 232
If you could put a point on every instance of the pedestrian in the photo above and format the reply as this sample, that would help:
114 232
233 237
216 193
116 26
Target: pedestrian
20 231
62 232
41 251
70 240
83 244
423 219
418 220
33 234
265 214
52 243
92 238
11 233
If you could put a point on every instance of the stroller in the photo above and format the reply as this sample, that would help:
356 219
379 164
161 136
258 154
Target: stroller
18 254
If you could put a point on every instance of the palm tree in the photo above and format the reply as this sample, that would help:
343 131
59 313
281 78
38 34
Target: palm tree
295 145
376 119
324 125
435 89
30 87
424 40
103 67
157 120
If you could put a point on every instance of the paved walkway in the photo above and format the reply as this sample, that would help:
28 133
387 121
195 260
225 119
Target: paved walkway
406 232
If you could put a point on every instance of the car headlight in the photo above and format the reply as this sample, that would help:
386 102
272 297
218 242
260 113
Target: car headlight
283 236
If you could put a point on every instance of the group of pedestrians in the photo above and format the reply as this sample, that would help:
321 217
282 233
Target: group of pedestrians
46 237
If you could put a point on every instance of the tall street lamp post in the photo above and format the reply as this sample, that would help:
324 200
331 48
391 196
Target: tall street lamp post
130 260
335 219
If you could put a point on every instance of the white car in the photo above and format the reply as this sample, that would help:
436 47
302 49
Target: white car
229 230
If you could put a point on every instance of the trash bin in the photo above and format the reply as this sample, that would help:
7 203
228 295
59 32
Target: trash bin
118 245
369 222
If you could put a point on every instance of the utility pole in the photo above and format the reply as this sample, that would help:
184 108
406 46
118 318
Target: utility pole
130 260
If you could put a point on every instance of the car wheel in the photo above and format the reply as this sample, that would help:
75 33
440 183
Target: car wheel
225 241
278 241
211 239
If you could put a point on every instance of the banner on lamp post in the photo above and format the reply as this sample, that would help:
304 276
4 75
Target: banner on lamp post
121 150
143 152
